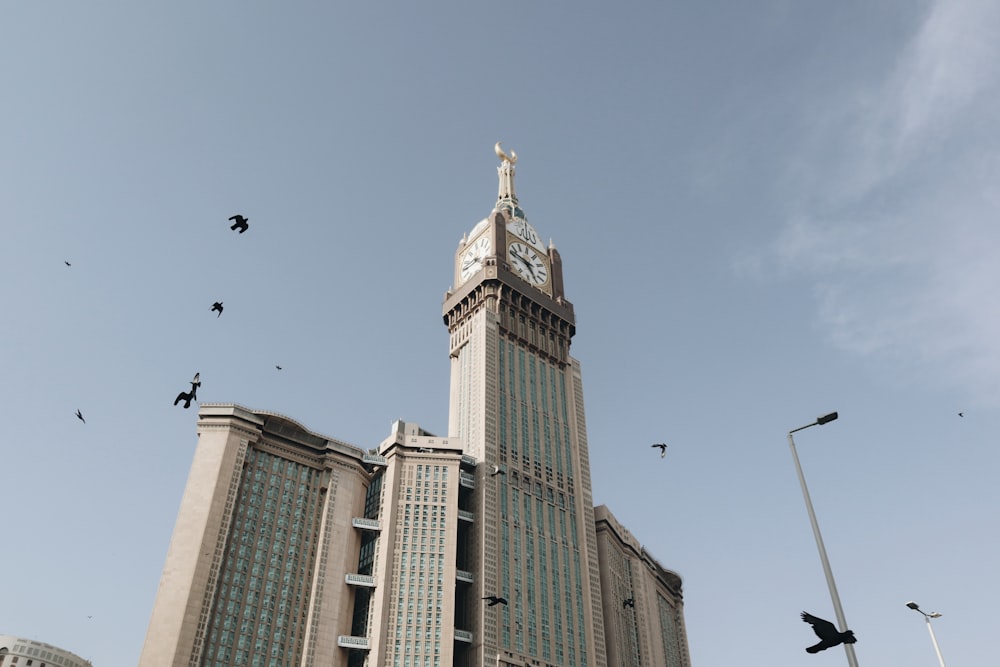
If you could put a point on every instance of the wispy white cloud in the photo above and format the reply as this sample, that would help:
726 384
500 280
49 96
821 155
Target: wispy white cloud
897 220
951 62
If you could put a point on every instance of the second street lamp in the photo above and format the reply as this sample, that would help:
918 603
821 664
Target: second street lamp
841 620
927 617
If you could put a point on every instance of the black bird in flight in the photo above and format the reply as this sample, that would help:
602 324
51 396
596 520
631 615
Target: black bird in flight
497 471
495 600
828 634
240 223
630 602
277 366
217 306
663 449
961 414
188 396
67 263
79 415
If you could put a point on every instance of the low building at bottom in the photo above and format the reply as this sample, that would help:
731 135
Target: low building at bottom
295 549
24 652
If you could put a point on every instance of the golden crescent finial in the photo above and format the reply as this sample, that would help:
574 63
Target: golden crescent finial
512 158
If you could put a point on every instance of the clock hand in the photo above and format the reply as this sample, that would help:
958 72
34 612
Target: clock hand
529 265
525 263
520 259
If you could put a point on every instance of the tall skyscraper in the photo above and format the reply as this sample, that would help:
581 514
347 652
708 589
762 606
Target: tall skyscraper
416 613
517 403
476 549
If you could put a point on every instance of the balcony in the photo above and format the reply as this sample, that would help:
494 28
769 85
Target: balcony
463 636
466 515
347 641
360 580
466 480
464 575
365 524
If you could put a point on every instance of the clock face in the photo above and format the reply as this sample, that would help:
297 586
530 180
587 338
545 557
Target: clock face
528 263
520 228
472 258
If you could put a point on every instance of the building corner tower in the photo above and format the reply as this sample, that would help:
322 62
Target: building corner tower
264 542
516 404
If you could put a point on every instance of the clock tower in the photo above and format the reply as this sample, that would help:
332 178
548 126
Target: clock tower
516 403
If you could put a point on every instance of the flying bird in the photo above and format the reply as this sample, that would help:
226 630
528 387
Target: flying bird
240 223
828 634
188 396
67 263
630 602
494 600
277 366
961 414
79 415
663 449
497 471
217 306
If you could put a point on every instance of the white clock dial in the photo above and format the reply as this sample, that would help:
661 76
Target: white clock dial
520 228
528 263
472 258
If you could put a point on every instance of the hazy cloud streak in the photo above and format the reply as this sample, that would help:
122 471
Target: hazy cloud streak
896 218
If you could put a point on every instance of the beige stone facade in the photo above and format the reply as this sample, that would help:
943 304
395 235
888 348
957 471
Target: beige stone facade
21 652
413 612
643 601
261 548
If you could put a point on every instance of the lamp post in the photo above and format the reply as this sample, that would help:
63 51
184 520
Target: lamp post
841 620
927 617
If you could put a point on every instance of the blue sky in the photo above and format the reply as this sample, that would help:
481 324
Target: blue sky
766 212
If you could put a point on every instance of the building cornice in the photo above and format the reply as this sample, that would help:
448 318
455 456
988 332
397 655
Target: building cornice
497 275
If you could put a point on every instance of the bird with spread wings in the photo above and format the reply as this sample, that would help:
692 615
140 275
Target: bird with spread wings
188 396
828 634
240 223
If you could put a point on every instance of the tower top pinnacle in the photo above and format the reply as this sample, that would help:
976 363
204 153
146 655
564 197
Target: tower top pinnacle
512 158
506 173
506 198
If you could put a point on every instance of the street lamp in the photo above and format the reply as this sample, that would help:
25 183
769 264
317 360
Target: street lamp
927 617
841 620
